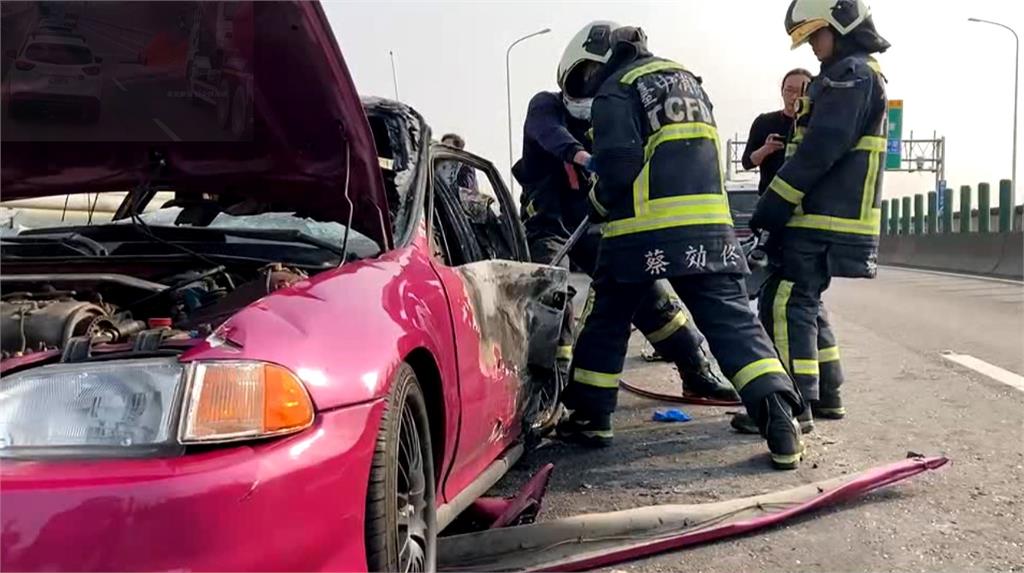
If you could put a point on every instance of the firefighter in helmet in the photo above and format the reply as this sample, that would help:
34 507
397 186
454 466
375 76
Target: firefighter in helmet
555 176
821 212
660 194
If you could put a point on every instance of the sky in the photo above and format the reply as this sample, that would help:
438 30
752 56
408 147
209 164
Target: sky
956 78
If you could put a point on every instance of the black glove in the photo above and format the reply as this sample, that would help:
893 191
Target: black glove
772 213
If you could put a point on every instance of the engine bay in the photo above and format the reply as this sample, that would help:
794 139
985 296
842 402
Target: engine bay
74 313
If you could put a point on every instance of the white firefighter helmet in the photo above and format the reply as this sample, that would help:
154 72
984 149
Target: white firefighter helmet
806 17
591 44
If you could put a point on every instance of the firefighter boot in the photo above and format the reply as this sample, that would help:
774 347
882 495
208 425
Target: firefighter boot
781 431
700 381
829 404
744 424
590 430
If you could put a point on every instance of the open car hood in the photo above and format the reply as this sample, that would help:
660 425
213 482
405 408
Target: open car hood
306 146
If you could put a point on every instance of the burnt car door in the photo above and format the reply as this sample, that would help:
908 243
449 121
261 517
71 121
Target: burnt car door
507 311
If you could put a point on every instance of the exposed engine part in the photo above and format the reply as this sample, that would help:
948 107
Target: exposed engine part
29 325
84 278
43 314
271 278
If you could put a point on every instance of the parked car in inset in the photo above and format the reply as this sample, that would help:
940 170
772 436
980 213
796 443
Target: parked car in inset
55 74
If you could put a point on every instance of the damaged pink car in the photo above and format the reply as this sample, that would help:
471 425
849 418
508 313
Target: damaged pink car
306 338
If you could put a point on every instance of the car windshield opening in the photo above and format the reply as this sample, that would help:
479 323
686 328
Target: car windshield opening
58 54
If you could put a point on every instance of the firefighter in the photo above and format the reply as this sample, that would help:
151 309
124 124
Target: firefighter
660 192
553 173
821 211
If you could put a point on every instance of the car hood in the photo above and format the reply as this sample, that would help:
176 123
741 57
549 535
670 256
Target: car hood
309 148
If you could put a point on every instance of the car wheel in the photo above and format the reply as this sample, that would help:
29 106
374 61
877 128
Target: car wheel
549 407
224 93
401 520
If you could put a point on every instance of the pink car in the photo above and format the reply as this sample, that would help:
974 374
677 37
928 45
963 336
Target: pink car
297 351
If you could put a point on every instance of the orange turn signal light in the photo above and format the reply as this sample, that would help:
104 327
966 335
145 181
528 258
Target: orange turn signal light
230 401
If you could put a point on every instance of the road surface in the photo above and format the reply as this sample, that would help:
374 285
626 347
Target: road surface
902 394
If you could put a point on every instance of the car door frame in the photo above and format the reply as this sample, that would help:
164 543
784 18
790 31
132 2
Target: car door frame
470 330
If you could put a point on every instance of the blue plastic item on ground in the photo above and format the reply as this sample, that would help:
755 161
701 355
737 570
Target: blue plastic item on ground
671 415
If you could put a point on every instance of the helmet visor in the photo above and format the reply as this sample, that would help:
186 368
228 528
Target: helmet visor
802 31
578 78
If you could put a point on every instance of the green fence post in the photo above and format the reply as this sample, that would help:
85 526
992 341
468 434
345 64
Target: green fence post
885 216
894 221
918 214
947 210
965 209
1005 206
905 224
984 208
933 212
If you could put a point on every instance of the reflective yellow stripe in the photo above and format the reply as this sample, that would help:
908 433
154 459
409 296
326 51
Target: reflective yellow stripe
871 143
781 325
786 191
807 367
868 194
597 204
598 433
642 202
676 131
564 353
830 354
650 68
789 458
754 370
530 209
868 226
790 149
873 64
679 217
678 321
597 379
588 307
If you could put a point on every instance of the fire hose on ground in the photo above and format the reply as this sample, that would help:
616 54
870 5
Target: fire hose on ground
596 540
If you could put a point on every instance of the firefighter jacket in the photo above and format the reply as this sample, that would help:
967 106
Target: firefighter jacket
554 198
830 188
659 179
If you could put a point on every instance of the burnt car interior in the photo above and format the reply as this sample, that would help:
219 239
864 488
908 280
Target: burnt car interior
473 212
400 142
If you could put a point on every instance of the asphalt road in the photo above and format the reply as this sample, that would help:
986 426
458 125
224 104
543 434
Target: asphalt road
902 395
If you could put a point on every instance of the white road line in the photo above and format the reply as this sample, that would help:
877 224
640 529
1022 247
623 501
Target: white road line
167 130
980 366
954 275
119 84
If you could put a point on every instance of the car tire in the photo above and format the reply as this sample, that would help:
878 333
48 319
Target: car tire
401 519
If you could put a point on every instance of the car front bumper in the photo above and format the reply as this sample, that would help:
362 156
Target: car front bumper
294 504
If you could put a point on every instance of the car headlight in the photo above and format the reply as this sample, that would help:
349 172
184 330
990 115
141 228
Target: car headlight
138 407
